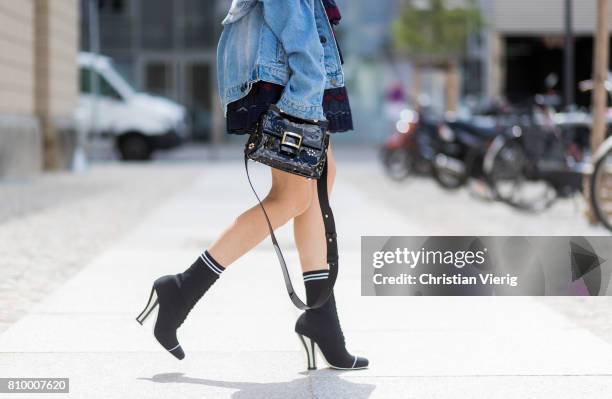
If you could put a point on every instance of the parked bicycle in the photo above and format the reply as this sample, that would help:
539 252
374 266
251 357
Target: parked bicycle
538 159
526 157
601 184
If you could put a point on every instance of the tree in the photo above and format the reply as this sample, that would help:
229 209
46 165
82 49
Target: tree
432 33
601 54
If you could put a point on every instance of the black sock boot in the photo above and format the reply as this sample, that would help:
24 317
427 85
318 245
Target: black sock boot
176 295
322 327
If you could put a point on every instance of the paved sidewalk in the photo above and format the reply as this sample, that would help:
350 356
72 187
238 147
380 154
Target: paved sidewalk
240 342
51 226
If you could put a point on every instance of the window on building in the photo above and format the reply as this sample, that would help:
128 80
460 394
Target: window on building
158 19
159 79
198 27
112 7
198 89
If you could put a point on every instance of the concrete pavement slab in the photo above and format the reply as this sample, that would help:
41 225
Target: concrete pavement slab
345 386
211 374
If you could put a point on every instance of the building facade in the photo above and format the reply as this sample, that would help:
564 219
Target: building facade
168 48
526 45
165 48
38 84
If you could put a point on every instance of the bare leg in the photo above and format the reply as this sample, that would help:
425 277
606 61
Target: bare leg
308 228
176 295
289 196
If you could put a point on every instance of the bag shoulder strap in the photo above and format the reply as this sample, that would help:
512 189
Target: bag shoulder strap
330 239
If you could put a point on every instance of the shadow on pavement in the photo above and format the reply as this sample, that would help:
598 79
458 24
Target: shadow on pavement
332 386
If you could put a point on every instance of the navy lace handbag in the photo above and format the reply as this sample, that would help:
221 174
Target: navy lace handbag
298 147
289 144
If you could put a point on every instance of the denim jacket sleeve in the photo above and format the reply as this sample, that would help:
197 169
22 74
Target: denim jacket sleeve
293 23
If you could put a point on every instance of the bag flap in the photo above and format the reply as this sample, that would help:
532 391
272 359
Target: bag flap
313 136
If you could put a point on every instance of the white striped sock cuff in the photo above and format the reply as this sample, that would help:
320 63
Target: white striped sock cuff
212 264
316 275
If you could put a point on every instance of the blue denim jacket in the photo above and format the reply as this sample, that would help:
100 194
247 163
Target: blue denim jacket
288 42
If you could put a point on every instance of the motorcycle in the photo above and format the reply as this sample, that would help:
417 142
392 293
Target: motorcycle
451 151
402 153
460 152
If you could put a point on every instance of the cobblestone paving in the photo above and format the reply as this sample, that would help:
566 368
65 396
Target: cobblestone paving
52 225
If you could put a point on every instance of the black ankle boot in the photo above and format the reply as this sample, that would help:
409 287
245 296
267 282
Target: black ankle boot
176 295
321 327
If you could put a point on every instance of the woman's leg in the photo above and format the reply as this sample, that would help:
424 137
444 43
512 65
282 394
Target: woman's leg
289 196
308 228
321 325
177 294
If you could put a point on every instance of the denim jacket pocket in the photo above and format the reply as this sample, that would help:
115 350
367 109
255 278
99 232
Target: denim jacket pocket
281 55
270 48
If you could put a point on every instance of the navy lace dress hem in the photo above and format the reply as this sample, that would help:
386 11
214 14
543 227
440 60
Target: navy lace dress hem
243 114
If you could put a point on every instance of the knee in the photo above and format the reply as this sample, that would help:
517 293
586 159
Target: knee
292 200
331 172
298 199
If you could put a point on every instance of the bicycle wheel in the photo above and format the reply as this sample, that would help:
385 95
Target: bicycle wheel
512 183
449 173
601 189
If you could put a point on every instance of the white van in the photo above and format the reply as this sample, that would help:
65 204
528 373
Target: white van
137 122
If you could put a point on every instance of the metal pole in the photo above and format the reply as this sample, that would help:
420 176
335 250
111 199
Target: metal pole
94 49
600 75
485 50
79 162
569 79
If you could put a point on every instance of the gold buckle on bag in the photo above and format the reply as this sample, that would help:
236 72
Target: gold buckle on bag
290 144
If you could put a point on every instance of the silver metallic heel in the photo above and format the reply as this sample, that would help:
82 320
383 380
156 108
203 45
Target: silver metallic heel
309 347
151 304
